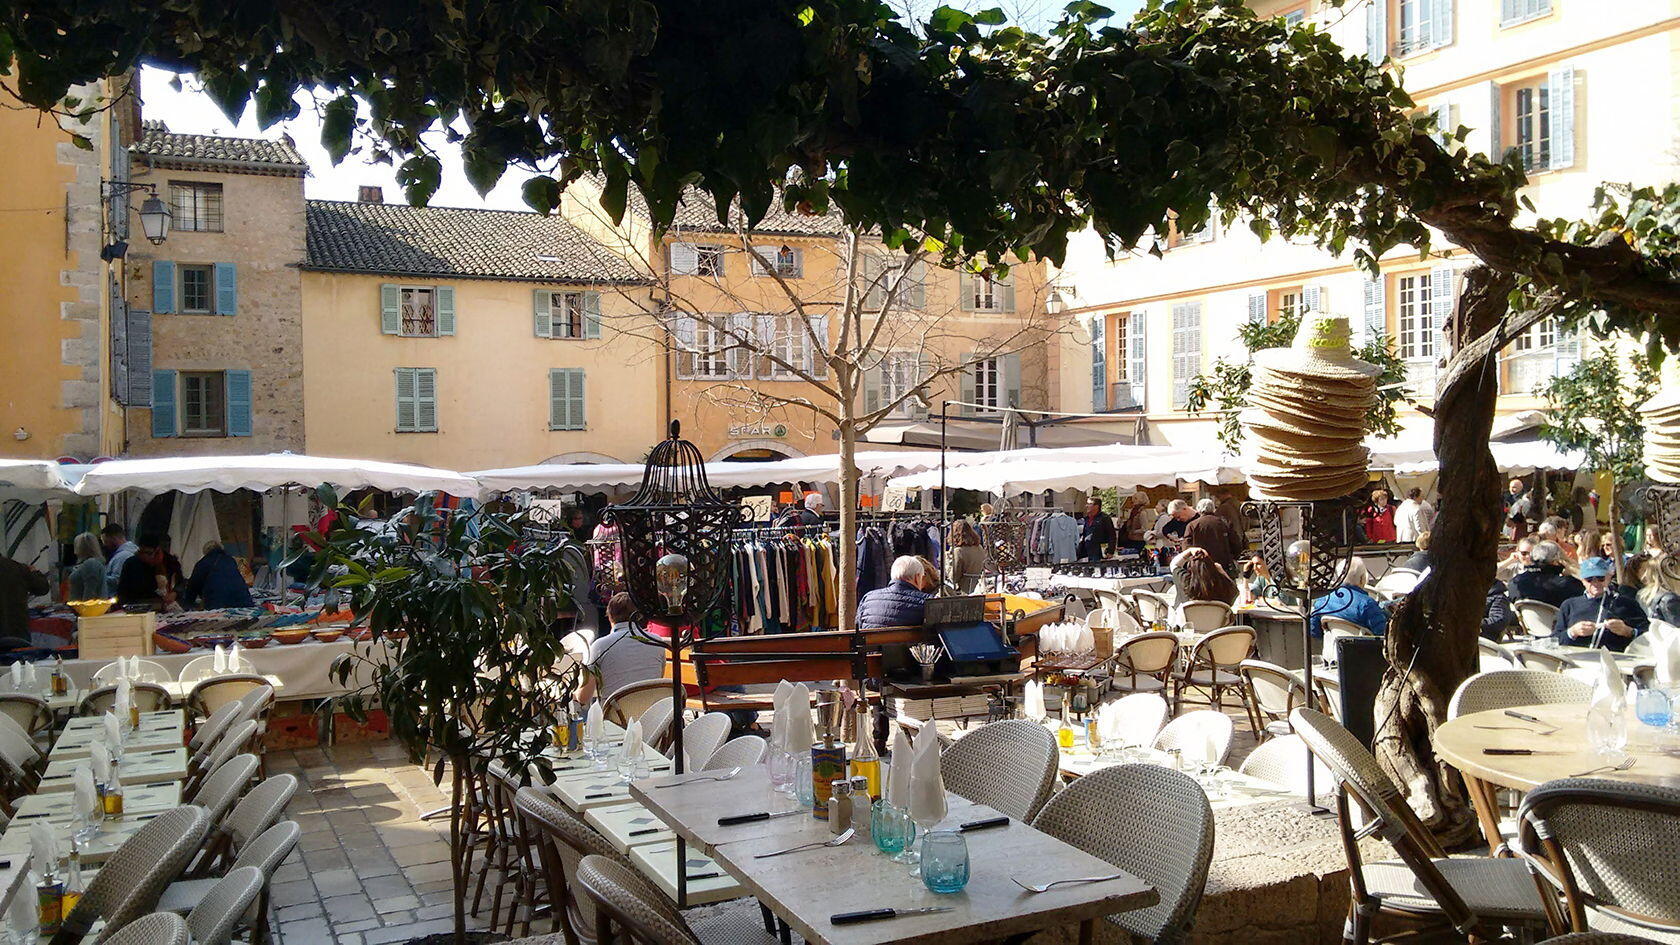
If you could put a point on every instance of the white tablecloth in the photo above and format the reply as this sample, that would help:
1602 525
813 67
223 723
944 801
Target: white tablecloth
303 668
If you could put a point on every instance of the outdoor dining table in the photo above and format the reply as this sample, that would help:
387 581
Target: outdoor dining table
805 889
139 767
14 843
166 729
137 799
1464 742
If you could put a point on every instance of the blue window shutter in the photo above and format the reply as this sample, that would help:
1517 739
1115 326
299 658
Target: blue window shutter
163 286
1099 364
1312 298
390 309
163 403
445 310
238 403
227 288
591 314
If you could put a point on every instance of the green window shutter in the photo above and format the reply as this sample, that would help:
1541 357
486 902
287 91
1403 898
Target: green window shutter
1561 84
390 309
1005 295
425 400
591 314
163 403
1099 364
238 402
1496 146
163 287
1012 380
542 317
965 392
1257 308
226 277
566 399
445 296
405 400
965 286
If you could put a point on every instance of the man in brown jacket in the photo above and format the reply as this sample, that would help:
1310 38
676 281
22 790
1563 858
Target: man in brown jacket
1208 531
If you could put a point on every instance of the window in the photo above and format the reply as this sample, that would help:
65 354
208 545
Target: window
195 206
567 315
988 383
696 259
1539 121
1538 338
1533 124
565 399
1127 331
1416 320
983 293
197 289
1206 233
417 400
203 403
1187 350
1119 342
881 274
785 261
1512 12
786 340
1405 27
1416 27
1537 355
710 346
417 311
1294 17
899 373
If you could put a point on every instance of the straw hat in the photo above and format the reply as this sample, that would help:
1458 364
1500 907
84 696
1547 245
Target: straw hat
1270 423
1267 487
1320 350
1280 460
1269 400
1314 391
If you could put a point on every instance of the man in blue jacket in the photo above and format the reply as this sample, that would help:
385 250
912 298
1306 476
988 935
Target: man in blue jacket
216 579
1606 615
899 604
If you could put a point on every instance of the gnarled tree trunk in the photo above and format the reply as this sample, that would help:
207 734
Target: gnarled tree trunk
1431 642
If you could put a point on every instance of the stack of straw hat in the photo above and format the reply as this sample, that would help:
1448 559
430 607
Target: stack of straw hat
1306 413
1661 416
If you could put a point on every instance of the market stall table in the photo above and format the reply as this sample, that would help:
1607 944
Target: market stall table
1464 742
802 888
167 764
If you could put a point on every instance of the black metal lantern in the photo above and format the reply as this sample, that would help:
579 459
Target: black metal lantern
1662 513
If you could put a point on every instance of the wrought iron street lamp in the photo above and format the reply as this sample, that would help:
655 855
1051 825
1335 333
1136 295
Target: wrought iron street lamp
154 215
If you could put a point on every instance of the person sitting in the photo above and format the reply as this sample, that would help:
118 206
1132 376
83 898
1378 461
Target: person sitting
1419 560
618 657
1173 525
141 585
1350 602
87 578
1605 614
1196 576
1659 600
1497 615
1520 557
216 579
899 604
1543 580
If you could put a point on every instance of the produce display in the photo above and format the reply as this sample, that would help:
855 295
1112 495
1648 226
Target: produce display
250 627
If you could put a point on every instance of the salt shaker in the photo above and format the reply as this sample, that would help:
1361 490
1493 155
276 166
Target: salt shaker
839 805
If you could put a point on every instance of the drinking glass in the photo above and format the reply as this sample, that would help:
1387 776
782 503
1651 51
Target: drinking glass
803 788
1607 731
944 861
625 761
926 818
781 771
891 828
1653 708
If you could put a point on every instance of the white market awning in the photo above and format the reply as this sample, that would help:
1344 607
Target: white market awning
269 471
36 480
1414 454
1125 467
567 477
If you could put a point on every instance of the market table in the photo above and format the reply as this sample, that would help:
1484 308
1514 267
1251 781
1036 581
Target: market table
805 889
1462 743
302 669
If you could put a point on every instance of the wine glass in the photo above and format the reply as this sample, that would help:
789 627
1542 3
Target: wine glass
927 813
1607 731
1653 708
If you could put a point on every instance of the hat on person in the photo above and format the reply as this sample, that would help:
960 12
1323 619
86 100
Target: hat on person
1320 350
1596 568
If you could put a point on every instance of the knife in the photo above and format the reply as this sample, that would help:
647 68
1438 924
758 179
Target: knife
1525 717
734 819
870 915
983 824
1517 751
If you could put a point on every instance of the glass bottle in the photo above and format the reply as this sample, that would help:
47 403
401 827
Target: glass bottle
74 885
1064 734
111 802
60 682
866 761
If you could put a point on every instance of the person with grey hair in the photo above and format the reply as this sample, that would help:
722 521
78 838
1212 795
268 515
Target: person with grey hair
1179 514
1211 533
1350 602
87 578
901 603
1544 578
217 580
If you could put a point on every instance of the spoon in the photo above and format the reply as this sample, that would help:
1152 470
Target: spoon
719 776
831 842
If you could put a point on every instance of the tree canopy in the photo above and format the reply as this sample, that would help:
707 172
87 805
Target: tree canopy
967 135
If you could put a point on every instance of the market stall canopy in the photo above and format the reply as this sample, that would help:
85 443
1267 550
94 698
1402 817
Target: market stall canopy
37 480
1125 467
565 477
966 434
1414 454
269 471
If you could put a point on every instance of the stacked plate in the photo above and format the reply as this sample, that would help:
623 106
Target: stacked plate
1661 416
1305 421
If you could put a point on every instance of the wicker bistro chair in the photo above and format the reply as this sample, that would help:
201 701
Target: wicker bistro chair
656 725
1273 692
207 695
1283 761
1141 716
158 928
1151 607
562 841
1010 766
1152 822
31 713
213 920
1508 688
1206 616
1213 665
1398 582
210 730
701 739
512 854
258 810
1531 658
1608 848
204 667
630 700
1536 617
1600 938
223 786
1492 657
1473 896
630 908
128 885
1144 663
150 697
1329 689
266 853
234 740
743 751
1191 731
150 671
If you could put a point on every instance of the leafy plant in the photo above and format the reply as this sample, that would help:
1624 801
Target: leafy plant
1225 388
465 655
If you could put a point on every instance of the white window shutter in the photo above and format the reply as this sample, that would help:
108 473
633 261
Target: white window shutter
390 309
916 282
405 400
1257 308
1441 22
1376 309
1312 298
872 273
591 314
445 296
1004 295
816 356
1443 300
1509 10
685 259
966 283
542 317
1561 84
425 400
1495 130
740 339
1011 380
683 333
798 264
1376 30
755 266
965 390
872 384
1137 338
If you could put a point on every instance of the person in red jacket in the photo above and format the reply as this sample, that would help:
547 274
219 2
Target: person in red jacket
1377 518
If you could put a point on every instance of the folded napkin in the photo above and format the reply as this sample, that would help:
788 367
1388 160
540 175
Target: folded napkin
43 848
17 676
219 663
927 784
779 716
801 731
113 729
125 697
29 678
1608 687
898 773
631 747
84 796
21 914
100 756
1032 702
1665 652
592 723
1111 723
1211 749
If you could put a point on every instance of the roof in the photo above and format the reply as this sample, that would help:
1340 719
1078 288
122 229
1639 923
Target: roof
397 239
696 213
161 147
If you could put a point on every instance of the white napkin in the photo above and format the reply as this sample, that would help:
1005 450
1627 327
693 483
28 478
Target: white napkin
1087 641
1609 684
17 677
21 914
101 758
113 729
43 847
592 723
927 785
122 668
219 663
84 795
1210 749
1033 701
898 774
779 715
1665 652
125 697
801 731
1110 723
29 676
631 747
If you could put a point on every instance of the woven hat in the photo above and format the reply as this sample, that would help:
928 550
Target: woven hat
1286 459
1273 423
1313 393
1269 400
1267 487
1320 350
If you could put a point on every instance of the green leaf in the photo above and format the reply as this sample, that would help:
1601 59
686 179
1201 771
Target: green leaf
338 125
541 193
419 177
483 167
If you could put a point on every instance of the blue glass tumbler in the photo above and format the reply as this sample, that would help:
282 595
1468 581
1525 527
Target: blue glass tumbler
944 861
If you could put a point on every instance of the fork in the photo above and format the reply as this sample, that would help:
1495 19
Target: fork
719 776
1625 764
1548 730
831 842
1046 887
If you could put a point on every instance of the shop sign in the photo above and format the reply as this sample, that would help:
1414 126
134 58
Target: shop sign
777 430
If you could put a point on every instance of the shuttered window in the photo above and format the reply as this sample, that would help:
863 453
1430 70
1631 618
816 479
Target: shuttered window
1187 350
983 293
568 315
785 261
1099 366
883 274
566 399
416 400
696 259
1512 12
786 341
1421 25
417 311
1542 121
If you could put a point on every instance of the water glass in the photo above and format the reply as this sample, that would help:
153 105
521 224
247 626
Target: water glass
1607 731
891 828
944 861
1653 708
803 788
781 771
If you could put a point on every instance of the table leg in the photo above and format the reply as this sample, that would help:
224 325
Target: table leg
1087 931
1484 797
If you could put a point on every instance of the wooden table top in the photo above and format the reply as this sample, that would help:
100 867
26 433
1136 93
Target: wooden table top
805 889
1461 741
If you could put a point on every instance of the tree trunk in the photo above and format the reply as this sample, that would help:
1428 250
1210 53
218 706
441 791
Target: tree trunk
458 847
1621 576
847 578
1431 641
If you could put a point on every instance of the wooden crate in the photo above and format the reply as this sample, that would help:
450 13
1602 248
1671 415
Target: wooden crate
113 635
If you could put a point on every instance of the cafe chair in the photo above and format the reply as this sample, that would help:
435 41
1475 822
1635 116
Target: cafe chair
656 724
1472 896
266 853
31 713
1600 938
233 741
1144 663
213 920
208 695
201 668
1272 693
258 810
158 928
225 785
1492 657
512 854
1141 716
562 840
1334 629
1398 582
129 883
1510 688
738 752
1329 690
1010 766
630 700
149 671
1531 658
1213 665
1190 733
1206 616
1283 761
150 697
701 739
1607 848
1536 617
210 730
1152 822
1152 607
629 907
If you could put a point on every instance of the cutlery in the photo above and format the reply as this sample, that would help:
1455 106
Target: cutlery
983 824
1625 764
714 874
645 831
734 819
1518 751
1514 714
1045 887
831 842
1518 728
719 776
599 795
869 915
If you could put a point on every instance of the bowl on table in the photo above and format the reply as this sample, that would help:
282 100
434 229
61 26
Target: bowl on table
254 641
328 636
96 607
210 641
287 637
